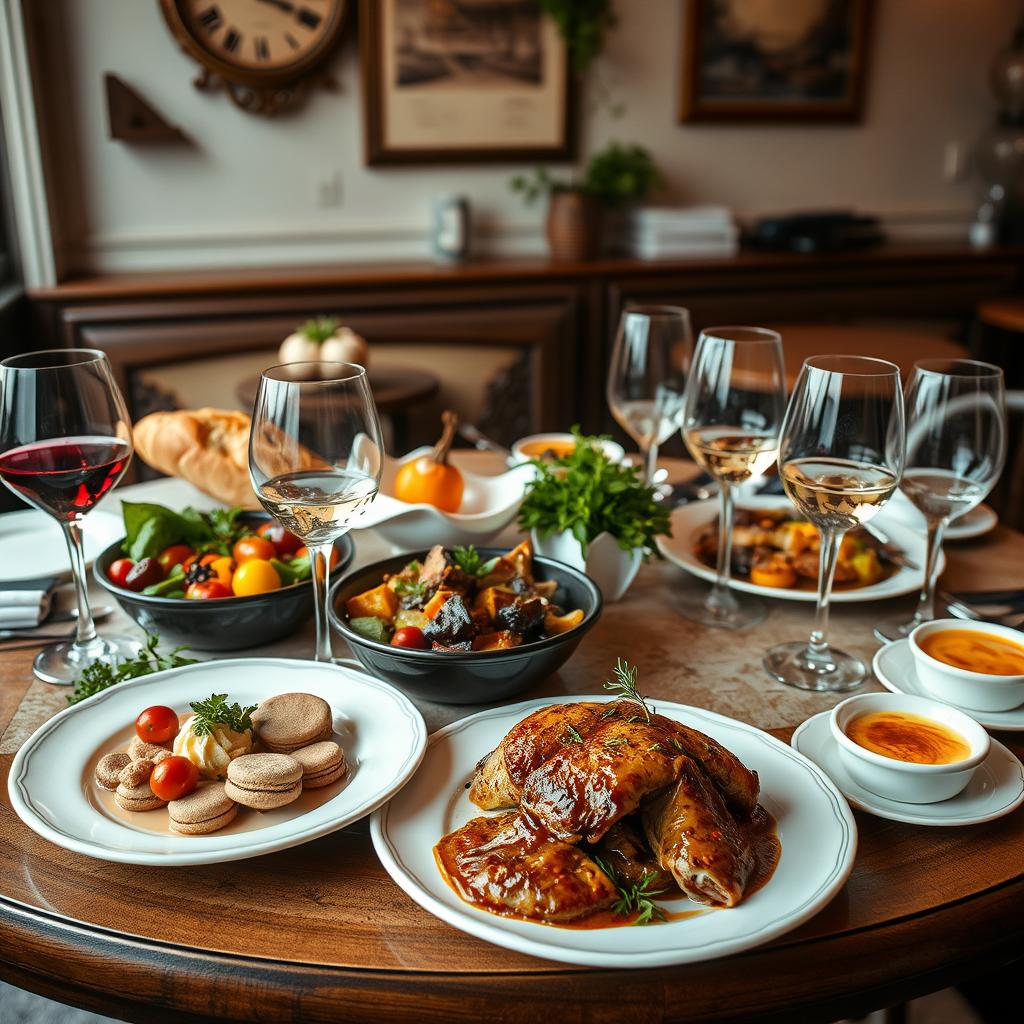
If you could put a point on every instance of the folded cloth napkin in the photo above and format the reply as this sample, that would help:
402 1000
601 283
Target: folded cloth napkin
24 604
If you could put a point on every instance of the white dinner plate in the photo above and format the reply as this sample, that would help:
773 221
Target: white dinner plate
381 731
688 520
976 523
995 789
893 666
815 827
32 543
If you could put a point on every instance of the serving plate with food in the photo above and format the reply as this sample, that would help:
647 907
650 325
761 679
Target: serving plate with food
615 831
775 553
464 625
217 761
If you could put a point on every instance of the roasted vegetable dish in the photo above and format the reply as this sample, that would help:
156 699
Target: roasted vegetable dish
775 548
454 601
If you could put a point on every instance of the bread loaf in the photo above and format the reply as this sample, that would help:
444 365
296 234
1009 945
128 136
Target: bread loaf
207 447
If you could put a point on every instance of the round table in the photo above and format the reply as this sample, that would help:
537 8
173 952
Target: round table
320 933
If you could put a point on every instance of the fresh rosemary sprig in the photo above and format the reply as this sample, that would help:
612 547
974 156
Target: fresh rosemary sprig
216 710
624 685
100 675
573 734
634 897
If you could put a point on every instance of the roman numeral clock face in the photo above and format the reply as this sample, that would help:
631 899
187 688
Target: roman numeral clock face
257 44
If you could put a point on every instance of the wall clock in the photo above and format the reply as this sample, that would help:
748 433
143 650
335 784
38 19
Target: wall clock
266 54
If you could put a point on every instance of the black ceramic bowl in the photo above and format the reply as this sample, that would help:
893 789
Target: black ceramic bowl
479 677
227 623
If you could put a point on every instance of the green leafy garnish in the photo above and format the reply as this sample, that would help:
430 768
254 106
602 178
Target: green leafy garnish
617 741
587 494
100 676
634 897
320 328
624 685
216 710
410 588
573 734
149 528
469 561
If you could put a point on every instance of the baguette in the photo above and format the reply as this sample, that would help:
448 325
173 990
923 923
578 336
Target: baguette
207 447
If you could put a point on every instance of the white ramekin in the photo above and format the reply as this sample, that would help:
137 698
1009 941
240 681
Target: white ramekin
614 450
958 686
901 780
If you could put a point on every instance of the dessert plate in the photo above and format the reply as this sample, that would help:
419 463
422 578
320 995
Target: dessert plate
688 520
893 666
815 827
997 787
51 787
32 543
976 523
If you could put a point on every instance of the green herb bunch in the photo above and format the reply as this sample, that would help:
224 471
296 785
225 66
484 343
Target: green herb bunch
588 494
216 710
634 897
99 676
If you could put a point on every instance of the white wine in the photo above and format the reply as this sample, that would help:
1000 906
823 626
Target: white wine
732 454
650 421
940 493
318 505
837 494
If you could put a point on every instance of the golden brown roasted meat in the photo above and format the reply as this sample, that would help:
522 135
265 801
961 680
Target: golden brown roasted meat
694 836
591 783
527 745
502 864
624 850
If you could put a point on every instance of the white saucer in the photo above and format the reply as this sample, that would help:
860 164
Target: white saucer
976 523
893 666
996 788
32 545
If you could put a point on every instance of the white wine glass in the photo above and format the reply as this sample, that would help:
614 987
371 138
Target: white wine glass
315 460
734 403
956 447
841 453
647 375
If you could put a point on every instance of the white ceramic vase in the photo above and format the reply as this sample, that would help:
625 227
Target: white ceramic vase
611 568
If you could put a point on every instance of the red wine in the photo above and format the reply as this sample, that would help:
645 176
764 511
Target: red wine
65 476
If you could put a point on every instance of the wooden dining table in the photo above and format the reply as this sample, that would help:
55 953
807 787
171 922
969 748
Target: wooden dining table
321 933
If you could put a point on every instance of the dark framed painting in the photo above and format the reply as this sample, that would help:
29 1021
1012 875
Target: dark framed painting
762 60
464 81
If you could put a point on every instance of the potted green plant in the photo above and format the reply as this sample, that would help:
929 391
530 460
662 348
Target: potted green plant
615 177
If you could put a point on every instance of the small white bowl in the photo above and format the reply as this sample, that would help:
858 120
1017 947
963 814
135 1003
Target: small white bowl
962 687
611 568
902 780
614 450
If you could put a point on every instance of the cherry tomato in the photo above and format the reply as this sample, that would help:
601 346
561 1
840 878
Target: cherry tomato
303 552
173 778
118 571
284 540
201 559
144 574
256 576
174 555
253 547
157 724
224 567
207 590
410 636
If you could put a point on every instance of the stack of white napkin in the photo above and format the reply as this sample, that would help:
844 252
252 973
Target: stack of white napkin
26 603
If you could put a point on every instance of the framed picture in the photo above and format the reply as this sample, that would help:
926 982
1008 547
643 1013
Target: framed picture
464 81
761 60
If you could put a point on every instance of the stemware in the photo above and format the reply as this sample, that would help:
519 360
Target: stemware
647 375
66 440
315 460
734 403
956 446
841 453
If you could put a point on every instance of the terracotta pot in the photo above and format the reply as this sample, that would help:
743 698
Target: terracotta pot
573 226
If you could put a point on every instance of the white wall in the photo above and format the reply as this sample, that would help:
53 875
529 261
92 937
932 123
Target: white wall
246 192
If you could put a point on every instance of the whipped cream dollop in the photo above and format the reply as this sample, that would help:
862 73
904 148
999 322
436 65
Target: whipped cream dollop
211 753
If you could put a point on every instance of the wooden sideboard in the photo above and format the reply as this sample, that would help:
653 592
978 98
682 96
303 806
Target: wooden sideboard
561 317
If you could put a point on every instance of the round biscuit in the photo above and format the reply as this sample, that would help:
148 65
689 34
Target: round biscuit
265 772
262 800
137 798
139 750
322 756
204 802
324 778
108 769
203 828
288 721
136 773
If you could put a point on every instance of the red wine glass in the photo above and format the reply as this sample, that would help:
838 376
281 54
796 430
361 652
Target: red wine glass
65 440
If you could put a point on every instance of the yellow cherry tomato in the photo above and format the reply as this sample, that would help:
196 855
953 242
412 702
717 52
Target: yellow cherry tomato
223 567
257 576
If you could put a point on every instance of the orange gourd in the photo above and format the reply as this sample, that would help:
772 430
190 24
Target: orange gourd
430 479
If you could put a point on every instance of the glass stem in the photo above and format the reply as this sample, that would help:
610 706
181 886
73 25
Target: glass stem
926 602
650 454
321 577
720 596
85 628
817 649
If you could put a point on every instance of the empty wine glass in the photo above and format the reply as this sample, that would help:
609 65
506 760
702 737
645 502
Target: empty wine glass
315 460
735 401
841 455
66 440
956 446
647 375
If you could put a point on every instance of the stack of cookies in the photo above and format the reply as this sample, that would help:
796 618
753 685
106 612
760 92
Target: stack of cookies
126 774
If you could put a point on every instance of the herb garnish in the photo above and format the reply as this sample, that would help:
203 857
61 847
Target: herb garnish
625 686
469 561
216 710
573 734
100 675
617 741
587 494
635 897
410 588
149 528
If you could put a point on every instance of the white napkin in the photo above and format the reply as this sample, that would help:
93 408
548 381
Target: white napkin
25 604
